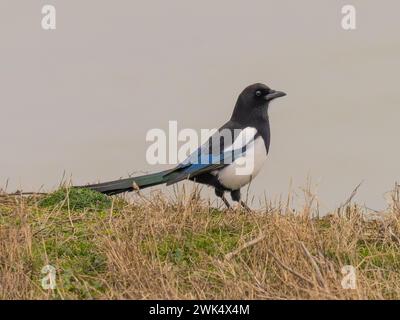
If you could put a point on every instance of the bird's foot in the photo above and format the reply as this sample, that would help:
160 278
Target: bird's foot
240 206
236 206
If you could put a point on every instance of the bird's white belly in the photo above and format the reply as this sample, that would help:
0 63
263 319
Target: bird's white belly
244 169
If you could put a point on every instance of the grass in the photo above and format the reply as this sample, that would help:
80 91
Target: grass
76 199
183 248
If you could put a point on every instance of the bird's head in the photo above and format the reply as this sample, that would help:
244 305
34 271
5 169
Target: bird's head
254 100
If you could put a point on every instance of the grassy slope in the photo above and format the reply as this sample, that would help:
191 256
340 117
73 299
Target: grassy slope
158 248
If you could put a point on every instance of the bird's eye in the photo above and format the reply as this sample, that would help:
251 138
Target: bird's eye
258 93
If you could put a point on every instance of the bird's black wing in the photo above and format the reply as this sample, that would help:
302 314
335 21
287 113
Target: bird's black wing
221 149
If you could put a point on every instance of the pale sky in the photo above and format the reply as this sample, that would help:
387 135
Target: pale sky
81 98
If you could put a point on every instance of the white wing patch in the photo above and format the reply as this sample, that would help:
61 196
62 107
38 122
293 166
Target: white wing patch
244 138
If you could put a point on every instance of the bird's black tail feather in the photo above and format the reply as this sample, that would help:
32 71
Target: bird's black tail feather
130 184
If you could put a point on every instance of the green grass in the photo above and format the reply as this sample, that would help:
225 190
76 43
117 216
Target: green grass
105 248
78 263
381 255
76 199
67 240
190 248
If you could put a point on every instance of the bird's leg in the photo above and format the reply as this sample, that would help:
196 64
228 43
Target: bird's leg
220 193
245 206
236 196
228 205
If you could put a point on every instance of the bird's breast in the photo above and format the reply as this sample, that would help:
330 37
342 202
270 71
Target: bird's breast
245 168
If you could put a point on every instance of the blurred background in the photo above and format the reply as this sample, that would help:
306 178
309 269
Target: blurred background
80 99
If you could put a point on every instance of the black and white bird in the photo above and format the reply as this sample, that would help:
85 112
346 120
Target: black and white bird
228 161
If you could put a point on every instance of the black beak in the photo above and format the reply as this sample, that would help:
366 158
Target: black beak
274 94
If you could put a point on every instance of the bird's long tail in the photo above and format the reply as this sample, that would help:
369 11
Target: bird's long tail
130 184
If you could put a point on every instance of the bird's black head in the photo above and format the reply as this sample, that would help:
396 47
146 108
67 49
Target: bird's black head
253 102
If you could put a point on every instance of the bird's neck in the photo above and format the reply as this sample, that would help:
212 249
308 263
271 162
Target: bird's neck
265 132
258 120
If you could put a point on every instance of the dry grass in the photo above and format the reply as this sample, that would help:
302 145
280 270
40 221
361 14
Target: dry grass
182 248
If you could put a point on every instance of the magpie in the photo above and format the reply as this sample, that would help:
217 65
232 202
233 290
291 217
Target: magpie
229 160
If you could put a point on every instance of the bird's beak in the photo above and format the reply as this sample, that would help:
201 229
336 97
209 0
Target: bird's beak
274 94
